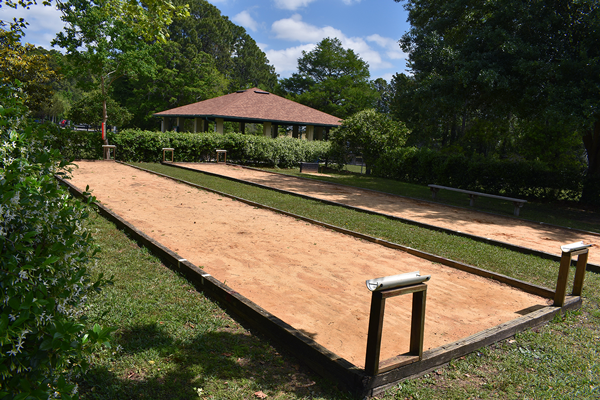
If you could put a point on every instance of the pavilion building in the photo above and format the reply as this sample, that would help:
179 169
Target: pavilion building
252 106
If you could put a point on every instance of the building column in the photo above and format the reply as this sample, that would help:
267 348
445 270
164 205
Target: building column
205 126
243 128
163 124
319 133
310 132
267 129
178 122
295 131
275 131
197 125
219 122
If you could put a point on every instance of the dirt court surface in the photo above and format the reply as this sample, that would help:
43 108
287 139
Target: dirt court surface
310 277
509 230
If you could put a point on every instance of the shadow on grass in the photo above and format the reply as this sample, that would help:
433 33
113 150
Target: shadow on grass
178 368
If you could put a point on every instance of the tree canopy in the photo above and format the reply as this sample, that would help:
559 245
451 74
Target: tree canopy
206 56
331 79
533 62
29 66
148 18
236 54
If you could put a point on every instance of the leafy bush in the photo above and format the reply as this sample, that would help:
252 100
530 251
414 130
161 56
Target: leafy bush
146 146
518 178
44 249
369 134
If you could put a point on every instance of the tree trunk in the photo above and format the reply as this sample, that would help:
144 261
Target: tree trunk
591 187
104 116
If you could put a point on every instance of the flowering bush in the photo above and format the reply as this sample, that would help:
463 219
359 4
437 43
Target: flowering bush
44 249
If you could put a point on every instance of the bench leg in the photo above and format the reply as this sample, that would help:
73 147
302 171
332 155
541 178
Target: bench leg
517 207
433 192
472 198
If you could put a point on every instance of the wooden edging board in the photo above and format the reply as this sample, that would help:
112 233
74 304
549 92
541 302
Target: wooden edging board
318 358
520 249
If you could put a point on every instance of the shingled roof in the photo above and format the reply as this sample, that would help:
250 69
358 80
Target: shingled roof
254 105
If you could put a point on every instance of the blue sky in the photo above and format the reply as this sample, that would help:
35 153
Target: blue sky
284 28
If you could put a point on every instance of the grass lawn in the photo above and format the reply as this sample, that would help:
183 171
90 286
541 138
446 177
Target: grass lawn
564 214
173 343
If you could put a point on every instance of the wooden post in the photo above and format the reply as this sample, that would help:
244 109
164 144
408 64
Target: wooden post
580 273
375 332
563 275
417 326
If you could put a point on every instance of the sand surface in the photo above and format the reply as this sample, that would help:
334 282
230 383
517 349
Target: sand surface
310 277
505 229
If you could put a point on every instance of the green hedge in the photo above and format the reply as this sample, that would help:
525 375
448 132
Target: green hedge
146 146
518 178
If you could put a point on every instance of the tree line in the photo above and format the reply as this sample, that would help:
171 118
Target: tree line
499 79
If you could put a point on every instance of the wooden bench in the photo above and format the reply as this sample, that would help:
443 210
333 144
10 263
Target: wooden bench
169 149
518 203
106 148
309 167
224 153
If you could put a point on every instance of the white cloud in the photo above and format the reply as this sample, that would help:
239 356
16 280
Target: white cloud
286 61
392 46
349 2
245 19
44 23
294 29
297 30
292 4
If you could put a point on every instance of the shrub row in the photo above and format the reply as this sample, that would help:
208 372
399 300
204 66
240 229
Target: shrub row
517 178
146 146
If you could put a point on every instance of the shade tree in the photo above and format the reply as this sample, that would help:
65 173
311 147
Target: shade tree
331 79
510 60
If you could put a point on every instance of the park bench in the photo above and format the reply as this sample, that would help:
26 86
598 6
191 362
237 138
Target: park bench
309 167
518 203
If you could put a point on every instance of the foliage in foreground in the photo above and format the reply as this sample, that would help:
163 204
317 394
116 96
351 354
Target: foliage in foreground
44 250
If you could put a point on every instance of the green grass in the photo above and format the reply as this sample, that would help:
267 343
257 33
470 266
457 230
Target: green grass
174 342
559 213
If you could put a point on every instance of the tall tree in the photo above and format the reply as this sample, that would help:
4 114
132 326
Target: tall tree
100 50
148 18
236 54
182 76
25 64
331 79
534 60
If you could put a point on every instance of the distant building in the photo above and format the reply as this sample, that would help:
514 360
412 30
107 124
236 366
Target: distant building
252 106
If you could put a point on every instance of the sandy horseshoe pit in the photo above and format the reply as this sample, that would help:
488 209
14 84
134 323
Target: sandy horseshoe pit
308 276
